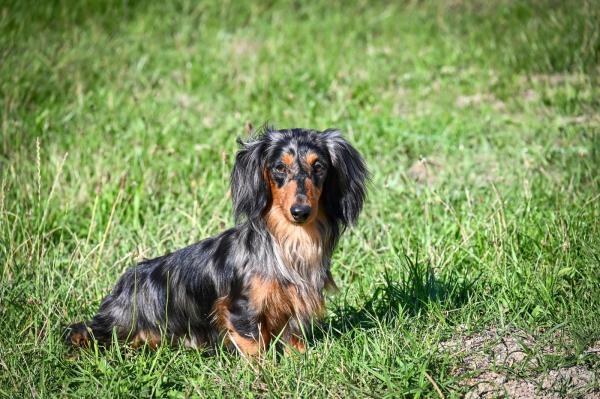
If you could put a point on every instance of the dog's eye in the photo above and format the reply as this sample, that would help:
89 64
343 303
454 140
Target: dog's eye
280 168
318 167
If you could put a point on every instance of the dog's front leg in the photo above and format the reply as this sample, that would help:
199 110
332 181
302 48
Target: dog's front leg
242 329
293 337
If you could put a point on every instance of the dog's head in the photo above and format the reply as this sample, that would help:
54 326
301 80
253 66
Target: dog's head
300 174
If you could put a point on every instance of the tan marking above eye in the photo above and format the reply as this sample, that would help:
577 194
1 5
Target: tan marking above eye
287 159
311 158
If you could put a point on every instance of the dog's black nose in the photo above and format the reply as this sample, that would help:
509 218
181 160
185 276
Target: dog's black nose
300 212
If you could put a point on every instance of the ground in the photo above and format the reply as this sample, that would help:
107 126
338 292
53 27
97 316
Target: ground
474 269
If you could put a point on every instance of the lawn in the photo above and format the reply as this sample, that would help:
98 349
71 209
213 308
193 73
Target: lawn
474 268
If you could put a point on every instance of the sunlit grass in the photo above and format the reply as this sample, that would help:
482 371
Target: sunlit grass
479 123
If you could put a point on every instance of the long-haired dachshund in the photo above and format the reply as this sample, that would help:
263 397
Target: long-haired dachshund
294 192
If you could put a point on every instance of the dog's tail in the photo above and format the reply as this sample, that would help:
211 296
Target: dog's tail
81 335
78 335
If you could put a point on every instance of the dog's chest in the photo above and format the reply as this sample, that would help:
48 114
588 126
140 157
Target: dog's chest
277 302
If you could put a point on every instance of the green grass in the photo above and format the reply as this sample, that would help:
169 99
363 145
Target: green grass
118 123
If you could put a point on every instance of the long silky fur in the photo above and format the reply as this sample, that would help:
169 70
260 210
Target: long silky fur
175 295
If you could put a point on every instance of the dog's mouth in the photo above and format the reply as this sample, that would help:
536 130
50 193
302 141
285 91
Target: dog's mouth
294 222
299 223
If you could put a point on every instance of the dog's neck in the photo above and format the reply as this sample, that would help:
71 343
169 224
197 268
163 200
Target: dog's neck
302 249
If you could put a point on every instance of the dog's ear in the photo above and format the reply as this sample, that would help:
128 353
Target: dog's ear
249 190
345 188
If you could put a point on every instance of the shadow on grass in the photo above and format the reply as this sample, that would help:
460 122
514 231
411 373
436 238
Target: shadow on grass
411 296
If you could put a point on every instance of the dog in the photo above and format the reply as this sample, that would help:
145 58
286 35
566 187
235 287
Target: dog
294 193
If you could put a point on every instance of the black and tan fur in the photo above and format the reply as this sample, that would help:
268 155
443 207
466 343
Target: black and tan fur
294 192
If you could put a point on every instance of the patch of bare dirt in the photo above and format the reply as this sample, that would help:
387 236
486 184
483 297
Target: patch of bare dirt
480 99
504 364
592 119
425 171
243 47
530 95
557 79
594 348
